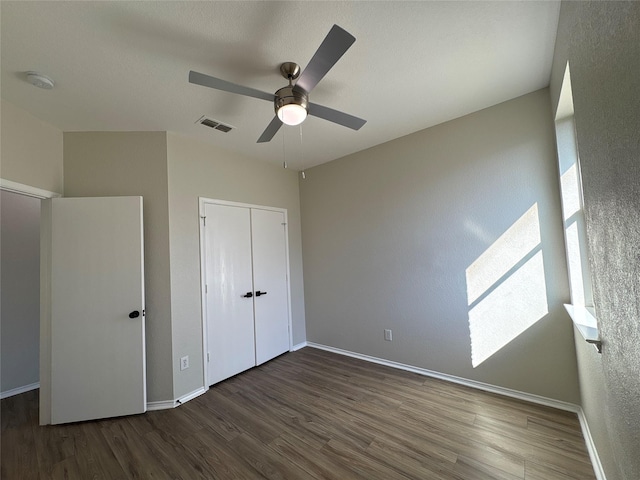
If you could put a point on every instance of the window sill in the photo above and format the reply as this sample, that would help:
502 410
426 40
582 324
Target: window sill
585 321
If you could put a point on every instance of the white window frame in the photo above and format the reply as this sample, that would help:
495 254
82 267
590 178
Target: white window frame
581 309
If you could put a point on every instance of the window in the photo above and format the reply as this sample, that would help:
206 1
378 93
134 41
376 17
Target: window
572 207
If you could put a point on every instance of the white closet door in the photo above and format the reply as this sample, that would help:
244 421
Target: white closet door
230 334
270 276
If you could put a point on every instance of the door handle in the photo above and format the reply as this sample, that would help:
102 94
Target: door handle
248 295
134 314
258 293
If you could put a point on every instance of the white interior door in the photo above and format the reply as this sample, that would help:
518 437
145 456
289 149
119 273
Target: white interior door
229 291
270 284
97 282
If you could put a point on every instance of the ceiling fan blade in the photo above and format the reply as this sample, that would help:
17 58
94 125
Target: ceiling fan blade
271 130
335 116
331 49
218 84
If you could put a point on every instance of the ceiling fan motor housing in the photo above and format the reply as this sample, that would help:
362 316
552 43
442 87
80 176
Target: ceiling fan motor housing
290 95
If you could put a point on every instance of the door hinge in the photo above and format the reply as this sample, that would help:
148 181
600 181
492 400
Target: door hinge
206 289
204 220
207 356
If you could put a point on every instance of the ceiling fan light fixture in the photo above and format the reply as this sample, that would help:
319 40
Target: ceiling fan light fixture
292 114
291 105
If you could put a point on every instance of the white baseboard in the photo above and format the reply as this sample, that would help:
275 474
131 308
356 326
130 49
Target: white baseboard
297 347
168 404
591 446
19 390
192 395
161 405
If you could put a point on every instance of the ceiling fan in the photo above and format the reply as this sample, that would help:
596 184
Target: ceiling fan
291 103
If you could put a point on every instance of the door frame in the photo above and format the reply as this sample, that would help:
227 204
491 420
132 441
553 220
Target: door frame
29 191
45 350
202 201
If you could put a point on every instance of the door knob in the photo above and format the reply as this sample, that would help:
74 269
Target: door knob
134 314
248 295
258 293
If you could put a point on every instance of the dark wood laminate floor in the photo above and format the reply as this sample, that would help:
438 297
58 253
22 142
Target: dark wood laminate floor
307 415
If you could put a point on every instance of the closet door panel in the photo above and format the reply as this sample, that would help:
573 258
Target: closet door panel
270 276
230 325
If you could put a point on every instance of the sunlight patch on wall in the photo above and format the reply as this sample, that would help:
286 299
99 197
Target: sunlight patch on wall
506 288
521 238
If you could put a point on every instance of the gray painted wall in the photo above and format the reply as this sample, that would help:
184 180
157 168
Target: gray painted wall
20 287
31 150
134 163
197 169
171 172
601 42
390 233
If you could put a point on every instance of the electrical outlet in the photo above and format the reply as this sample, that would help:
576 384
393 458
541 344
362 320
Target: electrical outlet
387 335
184 363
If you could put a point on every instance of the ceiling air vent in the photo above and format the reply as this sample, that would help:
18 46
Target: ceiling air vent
215 124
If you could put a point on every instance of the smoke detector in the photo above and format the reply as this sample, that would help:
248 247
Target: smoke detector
38 80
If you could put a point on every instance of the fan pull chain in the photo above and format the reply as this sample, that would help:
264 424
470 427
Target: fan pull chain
304 176
284 158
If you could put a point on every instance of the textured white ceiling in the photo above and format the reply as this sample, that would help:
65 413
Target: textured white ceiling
123 66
